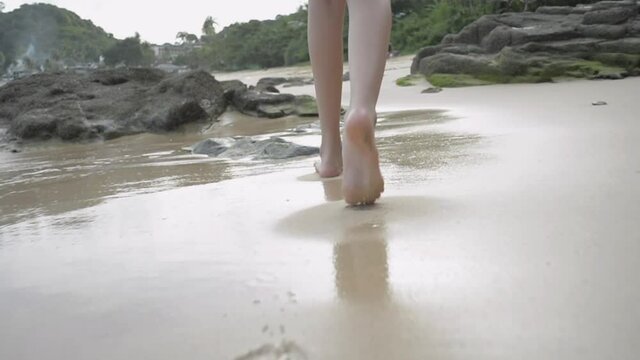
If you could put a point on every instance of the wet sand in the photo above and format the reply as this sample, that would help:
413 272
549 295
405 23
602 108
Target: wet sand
510 229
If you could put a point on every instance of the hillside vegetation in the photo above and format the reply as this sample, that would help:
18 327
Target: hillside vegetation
40 32
283 40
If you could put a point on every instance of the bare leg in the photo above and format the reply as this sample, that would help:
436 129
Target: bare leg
369 32
326 18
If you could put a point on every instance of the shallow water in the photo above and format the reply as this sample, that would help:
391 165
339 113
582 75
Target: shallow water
55 178
120 219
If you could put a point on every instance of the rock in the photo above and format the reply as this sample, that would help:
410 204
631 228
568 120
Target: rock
271 89
306 105
423 53
603 31
610 16
181 99
106 104
463 49
499 38
269 105
254 102
605 5
626 46
555 10
567 46
559 40
454 64
270 81
243 147
232 87
213 147
634 28
432 90
475 32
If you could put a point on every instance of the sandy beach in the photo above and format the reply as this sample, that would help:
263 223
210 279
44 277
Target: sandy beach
509 229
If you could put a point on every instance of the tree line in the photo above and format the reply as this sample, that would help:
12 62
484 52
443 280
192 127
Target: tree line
283 40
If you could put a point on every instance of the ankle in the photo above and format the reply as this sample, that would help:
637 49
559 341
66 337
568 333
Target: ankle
360 115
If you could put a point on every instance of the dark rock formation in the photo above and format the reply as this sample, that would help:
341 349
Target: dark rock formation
261 102
595 41
242 147
107 104
232 87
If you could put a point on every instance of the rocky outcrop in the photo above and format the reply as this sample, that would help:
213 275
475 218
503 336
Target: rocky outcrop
243 147
262 101
595 41
107 104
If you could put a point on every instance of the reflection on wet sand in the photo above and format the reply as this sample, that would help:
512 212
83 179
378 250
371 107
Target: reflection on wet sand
54 180
361 264
376 325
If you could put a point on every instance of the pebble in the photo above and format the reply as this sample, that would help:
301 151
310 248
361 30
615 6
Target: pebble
432 90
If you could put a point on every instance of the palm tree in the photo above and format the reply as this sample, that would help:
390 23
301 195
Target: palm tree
208 28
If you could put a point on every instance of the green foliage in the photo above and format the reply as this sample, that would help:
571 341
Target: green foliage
50 33
283 41
186 37
252 45
131 52
432 20
208 27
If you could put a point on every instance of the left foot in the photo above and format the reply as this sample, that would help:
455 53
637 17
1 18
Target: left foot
330 164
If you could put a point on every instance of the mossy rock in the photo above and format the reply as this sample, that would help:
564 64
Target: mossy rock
595 70
462 80
306 105
626 61
409 80
455 80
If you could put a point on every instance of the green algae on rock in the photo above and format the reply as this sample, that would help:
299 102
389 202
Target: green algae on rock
596 41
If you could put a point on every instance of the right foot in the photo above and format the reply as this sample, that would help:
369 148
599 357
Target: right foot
362 182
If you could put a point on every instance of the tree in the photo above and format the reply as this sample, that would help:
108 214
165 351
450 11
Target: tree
182 36
1 6
131 52
209 27
185 37
192 38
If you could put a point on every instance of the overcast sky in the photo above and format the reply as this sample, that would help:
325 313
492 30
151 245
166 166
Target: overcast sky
159 21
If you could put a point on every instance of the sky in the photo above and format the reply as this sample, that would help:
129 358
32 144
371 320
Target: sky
159 22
